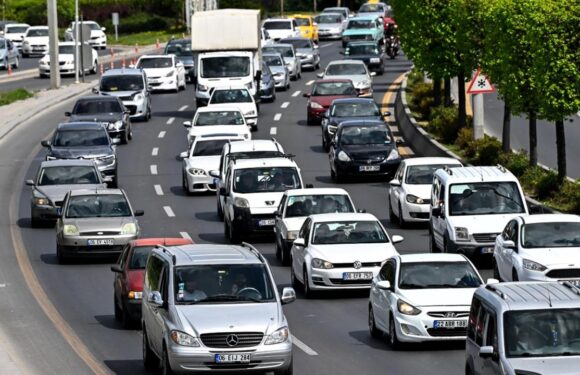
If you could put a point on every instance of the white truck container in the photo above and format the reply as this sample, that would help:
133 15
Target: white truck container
226 43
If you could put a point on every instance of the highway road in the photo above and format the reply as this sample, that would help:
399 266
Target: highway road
332 329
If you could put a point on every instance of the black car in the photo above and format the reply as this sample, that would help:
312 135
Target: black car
363 148
348 109
84 140
267 84
368 52
182 49
108 110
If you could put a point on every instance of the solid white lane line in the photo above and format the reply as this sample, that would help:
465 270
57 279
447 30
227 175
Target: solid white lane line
170 121
302 346
309 83
277 116
185 235
296 93
158 189
155 151
285 105
183 108
161 134
326 45
153 169
169 211
273 130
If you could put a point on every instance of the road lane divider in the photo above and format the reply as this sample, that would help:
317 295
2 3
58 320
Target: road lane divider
169 211
309 82
273 130
155 151
161 134
158 189
386 102
183 108
277 116
296 93
285 105
170 120
185 235
153 169
302 346
326 45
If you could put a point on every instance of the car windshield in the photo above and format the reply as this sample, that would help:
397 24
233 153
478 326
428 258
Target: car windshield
361 109
179 49
225 67
298 43
423 174
348 232
346 70
273 61
267 179
302 21
66 50
365 135
92 25
219 118
139 257
101 205
81 138
362 49
542 333
16 29
555 234
485 198
37 32
93 107
370 8
306 205
427 275
359 24
282 50
126 82
328 18
68 175
155 63
221 283
230 96
278 25
209 147
333 88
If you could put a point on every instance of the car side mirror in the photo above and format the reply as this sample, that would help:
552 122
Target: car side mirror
139 213
29 182
306 95
487 352
215 173
149 87
223 191
395 182
373 74
95 90
67 114
103 28
384 285
184 155
509 244
116 268
45 143
536 209
155 299
187 124
386 113
299 242
320 75
396 238
288 296
436 212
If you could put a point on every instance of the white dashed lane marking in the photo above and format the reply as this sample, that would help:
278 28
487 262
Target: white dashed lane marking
158 189
296 93
273 130
309 83
155 151
302 346
326 45
162 134
185 235
170 121
169 211
153 169
277 116
285 105
183 108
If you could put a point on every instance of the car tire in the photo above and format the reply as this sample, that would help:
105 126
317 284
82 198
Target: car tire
293 280
118 311
308 293
374 331
166 365
150 360
60 256
393 339
114 183
402 222
125 137
25 55
285 259
130 135
35 223
94 69
184 184
5 64
288 371
496 274
231 232
515 276
287 86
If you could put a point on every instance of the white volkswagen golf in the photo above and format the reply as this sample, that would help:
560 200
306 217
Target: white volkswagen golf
221 120
164 72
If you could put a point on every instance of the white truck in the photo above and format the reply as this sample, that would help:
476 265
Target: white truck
226 45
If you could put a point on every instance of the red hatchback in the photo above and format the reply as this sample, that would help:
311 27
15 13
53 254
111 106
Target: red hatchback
323 93
129 274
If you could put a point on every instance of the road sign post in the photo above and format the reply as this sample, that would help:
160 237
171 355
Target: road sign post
115 22
478 86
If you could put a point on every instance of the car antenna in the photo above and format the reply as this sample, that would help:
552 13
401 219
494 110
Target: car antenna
481 174
549 296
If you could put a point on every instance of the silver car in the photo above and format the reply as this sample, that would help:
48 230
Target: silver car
54 179
306 50
279 70
9 55
330 25
355 70
95 222
203 312
131 86
291 59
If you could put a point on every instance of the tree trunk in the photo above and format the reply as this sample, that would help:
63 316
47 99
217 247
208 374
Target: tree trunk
507 128
436 92
447 99
533 139
462 118
561 149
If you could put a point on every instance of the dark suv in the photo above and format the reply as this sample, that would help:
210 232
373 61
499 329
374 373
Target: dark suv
182 49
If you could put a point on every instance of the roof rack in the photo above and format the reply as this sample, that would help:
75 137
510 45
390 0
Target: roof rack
493 288
448 170
254 251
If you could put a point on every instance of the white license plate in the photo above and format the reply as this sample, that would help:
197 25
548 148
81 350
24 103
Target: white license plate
264 223
100 242
233 358
357 275
369 168
450 323
487 250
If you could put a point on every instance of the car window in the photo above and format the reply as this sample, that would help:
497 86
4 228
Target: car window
81 138
491 331
101 205
273 61
37 32
127 82
552 235
211 147
479 327
230 96
362 49
305 230
359 109
124 255
359 24
333 88
302 21
306 205
328 18
438 275
86 107
485 198
219 118
298 43
473 315
154 269
266 179
346 70
139 257
365 135
423 174
68 175
348 232
277 25
155 63
387 272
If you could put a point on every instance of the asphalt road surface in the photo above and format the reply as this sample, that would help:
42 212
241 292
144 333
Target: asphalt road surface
332 329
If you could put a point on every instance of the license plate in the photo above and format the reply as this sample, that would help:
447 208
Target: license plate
357 275
369 168
264 223
487 250
450 323
233 358
100 242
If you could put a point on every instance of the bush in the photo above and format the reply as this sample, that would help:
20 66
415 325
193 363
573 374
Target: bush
415 77
516 162
422 99
139 22
570 196
548 185
487 151
531 178
444 123
464 138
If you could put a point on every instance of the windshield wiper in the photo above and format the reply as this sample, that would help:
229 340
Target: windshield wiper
507 197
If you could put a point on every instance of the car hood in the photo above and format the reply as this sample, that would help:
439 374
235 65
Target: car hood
135 280
356 79
206 163
56 193
294 223
230 317
568 257
81 152
37 39
338 120
289 60
547 365
62 57
482 223
421 191
196 131
305 51
98 117
111 224
438 297
263 202
326 101
368 152
329 26
348 253
277 69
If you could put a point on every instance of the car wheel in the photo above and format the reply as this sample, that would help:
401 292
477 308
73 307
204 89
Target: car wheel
150 360
375 332
130 135
402 222
34 222
184 184
393 339
285 259
232 232
495 269
432 244
125 137
306 285
60 256
94 68
287 85
177 87
288 371
166 365
515 275
392 216
118 311
148 116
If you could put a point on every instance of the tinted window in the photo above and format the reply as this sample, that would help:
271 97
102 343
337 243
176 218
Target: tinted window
66 50
348 232
225 67
179 49
328 18
360 109
128 82
37 32
540 235
109 205
209 148
485 198
333 88
81 138
306 205
86 107
139 257
302 21
230 96
273 61
422 174
155 62
277 25
298 43
219 118
346 69
67 175
267 179
154 269
360 24
438 275
16 29
363 135
284 51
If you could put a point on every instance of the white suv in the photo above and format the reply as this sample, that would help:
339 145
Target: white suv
252 192
280 28
470 207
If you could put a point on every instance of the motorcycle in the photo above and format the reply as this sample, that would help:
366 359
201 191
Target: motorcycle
392 46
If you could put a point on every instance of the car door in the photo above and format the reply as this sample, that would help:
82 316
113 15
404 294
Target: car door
490 365
298 252
150 312
395 191
228 206
280 226
388 298
379 301
505 255
120 283
438 222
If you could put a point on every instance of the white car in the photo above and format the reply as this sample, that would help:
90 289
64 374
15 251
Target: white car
355 70
339 251
202 157
98 38
239 97
164 72
539 248
410 189
35 41
265 37
220 120
66 59
296 205
280 28
15 32
422 297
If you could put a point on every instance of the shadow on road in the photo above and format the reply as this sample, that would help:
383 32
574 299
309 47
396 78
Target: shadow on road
127 366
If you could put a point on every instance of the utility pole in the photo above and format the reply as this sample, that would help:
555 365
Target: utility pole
76 31
282 8
53 44
188 16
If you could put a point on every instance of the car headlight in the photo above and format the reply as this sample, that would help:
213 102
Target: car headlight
134 295
292 234
170 74
342 156
181 338
311 56
315 105
415 199
115 125
407 308
250 113
375 60
364 84
279 336
319 263
393 155
462 234
70 230
129 228
533 266
196 171
41 201
138 97
241 202
202 87
331 129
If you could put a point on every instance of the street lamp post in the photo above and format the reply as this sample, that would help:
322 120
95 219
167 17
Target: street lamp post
76 36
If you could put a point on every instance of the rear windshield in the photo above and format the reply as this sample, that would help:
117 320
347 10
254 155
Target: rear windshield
131 82
179 49
346 70
348 232
267 179
306 205
423 174
365 135
230 96
81 138
94 107
284 51
16 29
209 148
37 32
328 18
362 49
155 62
333 88
68 175
427 275
219 118
302 21
278 25
273 61
298 43
360 24
355 110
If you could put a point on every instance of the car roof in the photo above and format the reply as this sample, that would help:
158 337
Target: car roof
17 24
155 56
364 17
346 61
122 71
217 108
210 254
353 100
333 80
531 295
230 87
38 27
81 125
165 241
346 216
180 40
277 19
255 145
97 191
475 174
431 257
551 218
430 160
353 123
293 38
316 191
67 163
98 98
263 162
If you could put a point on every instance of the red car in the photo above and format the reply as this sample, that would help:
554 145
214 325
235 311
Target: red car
129 273
324 91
